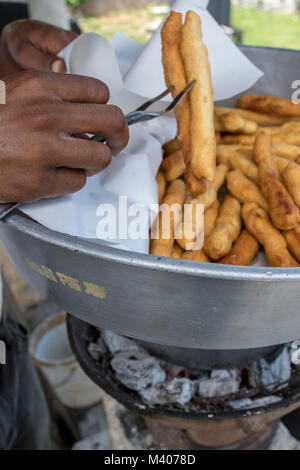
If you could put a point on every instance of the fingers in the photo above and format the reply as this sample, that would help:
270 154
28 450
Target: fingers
66 181
76 153
59 182
78 89
35 45
30 57
70 88
39 184
106 121
49 38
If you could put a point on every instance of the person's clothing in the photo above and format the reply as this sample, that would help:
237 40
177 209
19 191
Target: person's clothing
11 11
24 418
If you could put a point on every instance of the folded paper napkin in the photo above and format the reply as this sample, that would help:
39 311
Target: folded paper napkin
132 173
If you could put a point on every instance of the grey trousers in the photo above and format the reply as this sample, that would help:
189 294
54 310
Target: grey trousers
24 418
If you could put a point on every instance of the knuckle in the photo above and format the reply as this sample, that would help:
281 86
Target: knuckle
105 156
79 181
105 92
117 119
30 188
35 81
96 88
42 118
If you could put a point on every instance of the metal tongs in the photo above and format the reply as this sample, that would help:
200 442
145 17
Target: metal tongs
142 115
139 115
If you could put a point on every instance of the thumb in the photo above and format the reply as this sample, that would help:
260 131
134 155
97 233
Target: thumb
31 57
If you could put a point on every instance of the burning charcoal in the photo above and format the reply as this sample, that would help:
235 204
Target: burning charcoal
177 391
97 349
295 353
180 391
137 370
117 343
154 396
221 383
271 376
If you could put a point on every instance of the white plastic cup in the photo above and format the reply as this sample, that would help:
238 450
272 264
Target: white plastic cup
51 352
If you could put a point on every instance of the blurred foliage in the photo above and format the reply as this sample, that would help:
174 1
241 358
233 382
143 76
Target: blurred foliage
75 3
264 28
260 28
136 24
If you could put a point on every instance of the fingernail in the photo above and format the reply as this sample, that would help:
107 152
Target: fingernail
58 66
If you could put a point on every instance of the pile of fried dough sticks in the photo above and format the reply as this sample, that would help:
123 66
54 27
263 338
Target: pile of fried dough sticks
254 149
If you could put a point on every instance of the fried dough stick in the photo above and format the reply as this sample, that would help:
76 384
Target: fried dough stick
226 231
243 139
173 166
288 151
210 217
162 185
195 185
291 152
177 252
235 160
196 63
260 226
281 164
232 122
269 104
175 197
171 147
244 189
175 76
283 211
243 251
190 231
286 128
238 139
196 255
291 178
252 116
293 242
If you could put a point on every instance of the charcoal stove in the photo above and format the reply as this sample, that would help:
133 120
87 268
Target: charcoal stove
203 423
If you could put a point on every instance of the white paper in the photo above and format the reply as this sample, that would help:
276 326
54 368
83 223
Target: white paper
232 72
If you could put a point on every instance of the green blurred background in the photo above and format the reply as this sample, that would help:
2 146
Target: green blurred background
259 26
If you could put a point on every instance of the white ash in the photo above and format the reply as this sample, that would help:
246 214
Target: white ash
295 352
248 403
160 383
137 370
177 391
271 376
97 349
117 343
180 390
220 383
